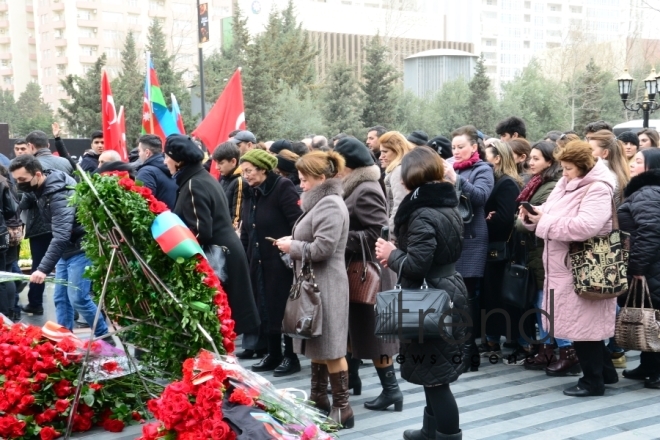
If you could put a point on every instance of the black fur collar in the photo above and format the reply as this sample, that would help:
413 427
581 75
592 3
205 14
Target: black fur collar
430 195
647 178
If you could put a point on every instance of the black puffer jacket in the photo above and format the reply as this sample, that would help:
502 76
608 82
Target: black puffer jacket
53 206
430 235
638 215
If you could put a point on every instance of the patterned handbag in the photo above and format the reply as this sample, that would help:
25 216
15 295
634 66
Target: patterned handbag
599 264
638 328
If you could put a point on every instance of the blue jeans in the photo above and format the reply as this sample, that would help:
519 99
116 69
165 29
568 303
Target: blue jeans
543 333
77 295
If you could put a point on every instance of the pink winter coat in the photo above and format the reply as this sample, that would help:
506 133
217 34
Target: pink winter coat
575 211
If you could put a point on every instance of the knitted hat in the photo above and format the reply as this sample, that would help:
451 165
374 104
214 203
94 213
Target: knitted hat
418 137
442 145
260 159
355 153
280 145
629 136
286 165
182 148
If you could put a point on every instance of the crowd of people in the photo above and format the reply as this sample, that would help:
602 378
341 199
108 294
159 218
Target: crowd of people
459 210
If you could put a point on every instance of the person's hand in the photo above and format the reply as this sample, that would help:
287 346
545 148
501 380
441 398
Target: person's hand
534 219
490 215
450 174
383 251
38 277
56 129
284 244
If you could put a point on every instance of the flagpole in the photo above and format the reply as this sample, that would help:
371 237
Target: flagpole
201 63
151 108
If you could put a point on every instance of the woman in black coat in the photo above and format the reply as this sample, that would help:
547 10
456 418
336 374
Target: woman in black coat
270 209
202 205
638 215
500 210
430 239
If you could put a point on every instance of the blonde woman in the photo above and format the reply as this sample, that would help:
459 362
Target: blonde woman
607 148
393 146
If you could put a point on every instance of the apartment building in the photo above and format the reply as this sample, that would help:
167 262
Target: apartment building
18 45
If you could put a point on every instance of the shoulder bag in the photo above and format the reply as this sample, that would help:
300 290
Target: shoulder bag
518 286
599 264
363 276
464 204
415 313
638 328
303 315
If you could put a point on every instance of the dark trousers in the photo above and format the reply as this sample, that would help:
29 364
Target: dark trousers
38 247
440 402
275 346
650 362
7 289
596 362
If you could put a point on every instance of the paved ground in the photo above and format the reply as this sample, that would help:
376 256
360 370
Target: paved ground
497 402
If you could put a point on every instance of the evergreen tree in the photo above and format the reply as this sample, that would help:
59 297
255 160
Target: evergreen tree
261 113
82 111
379 80
33 112
128 90
342 101
481 108
303 114
171 81
589 101
8 110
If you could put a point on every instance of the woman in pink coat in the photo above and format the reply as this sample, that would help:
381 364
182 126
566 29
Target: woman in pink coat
579 208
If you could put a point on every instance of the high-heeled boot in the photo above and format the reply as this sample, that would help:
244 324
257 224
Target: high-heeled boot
391 394
471 357
354 381
318 394
428 429
341 411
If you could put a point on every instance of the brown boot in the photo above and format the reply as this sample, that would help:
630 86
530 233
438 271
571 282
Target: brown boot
319 386
566 365
341 412
543 358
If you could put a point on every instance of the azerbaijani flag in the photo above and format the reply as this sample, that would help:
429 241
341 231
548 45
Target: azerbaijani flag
176 113
174 237
156 117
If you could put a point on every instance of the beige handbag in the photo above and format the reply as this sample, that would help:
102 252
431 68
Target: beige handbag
638 328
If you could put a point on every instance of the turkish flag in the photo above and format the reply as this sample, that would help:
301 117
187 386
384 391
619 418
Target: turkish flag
112 138
122 131
227 115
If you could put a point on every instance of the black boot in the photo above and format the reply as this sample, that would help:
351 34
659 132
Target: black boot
441 436
426 433
471 356
391 393
354 381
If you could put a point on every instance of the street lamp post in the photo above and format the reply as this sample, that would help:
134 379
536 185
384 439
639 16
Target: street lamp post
647 106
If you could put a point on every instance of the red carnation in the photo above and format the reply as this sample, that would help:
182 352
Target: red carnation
158 207
96 386
45 417
126 183
151 431
81 423
113 425
136 416
48 433
61 405
239 397
111 366
63 388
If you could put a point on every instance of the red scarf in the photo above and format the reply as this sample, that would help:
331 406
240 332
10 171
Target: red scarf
467 163
529 189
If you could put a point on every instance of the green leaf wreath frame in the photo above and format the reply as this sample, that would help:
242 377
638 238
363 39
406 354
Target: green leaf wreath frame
169 308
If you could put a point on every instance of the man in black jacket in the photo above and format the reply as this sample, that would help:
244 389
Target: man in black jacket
153 173
90 159
52 189
226 158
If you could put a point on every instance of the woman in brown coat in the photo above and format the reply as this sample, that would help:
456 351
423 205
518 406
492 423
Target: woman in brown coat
324 227
367 210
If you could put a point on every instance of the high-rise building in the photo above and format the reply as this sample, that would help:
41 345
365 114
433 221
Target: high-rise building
18 45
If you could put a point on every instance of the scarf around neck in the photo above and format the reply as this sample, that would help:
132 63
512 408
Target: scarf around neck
467 163
529 189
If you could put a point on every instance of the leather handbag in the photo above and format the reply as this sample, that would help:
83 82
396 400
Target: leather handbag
303 315
217 258
599 264
414 313
518 286
638 328
363 276
464 204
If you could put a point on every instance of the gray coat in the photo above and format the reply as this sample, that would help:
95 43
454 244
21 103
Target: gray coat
324 225
477 183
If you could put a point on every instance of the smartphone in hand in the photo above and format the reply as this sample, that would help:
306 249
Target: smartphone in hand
528 207
385 233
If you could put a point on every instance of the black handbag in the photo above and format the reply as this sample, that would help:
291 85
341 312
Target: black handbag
518 286
217 258
413 313
464 204
498 251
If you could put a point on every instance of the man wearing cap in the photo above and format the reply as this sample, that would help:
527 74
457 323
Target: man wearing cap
244 140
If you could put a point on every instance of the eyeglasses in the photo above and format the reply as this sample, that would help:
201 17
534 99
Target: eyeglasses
247 171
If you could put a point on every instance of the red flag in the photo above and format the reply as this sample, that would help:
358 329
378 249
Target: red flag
122 130
110 120
227 115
